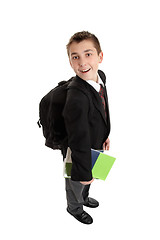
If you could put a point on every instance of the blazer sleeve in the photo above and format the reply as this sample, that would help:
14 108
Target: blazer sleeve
76 121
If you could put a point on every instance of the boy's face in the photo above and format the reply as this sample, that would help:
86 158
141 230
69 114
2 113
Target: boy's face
84 59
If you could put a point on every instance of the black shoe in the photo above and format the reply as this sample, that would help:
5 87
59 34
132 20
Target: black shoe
83 217
92 203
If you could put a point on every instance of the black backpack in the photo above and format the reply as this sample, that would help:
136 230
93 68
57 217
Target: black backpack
50 114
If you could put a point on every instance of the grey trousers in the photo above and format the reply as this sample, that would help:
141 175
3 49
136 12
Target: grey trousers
76 194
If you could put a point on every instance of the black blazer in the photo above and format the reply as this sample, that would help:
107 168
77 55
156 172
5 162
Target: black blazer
86 125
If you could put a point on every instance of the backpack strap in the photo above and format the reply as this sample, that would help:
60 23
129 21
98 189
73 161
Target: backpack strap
39 123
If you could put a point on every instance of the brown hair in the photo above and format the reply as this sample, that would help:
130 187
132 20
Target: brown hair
84 35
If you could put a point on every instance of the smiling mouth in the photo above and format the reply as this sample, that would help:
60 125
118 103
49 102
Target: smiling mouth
85 71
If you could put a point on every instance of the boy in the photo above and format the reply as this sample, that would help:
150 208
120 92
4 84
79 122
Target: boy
86 119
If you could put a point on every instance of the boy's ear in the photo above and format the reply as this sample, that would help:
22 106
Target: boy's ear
100 57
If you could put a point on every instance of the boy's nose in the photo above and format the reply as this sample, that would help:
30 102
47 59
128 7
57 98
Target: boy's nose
82 63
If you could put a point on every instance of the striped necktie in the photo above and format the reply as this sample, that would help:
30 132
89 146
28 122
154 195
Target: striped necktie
101 94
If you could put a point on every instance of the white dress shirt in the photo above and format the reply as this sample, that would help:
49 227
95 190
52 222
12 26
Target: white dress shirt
96 85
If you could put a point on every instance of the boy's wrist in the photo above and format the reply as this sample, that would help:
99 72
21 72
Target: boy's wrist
87 182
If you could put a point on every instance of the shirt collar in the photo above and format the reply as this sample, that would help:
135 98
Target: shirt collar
96 85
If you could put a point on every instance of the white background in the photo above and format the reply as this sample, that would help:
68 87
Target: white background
33 60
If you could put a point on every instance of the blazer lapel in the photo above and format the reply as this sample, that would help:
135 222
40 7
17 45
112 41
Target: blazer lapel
95 95
98 103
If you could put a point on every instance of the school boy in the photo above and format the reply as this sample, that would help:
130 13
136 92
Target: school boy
86 119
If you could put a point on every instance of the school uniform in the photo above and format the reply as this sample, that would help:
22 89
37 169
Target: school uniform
87 123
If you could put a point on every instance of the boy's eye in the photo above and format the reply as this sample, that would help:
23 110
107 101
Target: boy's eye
75 57
88 54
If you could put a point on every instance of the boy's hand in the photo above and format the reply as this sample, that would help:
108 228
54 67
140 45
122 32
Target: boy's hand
106 144
87 183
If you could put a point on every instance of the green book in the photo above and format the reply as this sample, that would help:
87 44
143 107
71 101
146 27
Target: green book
101 164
